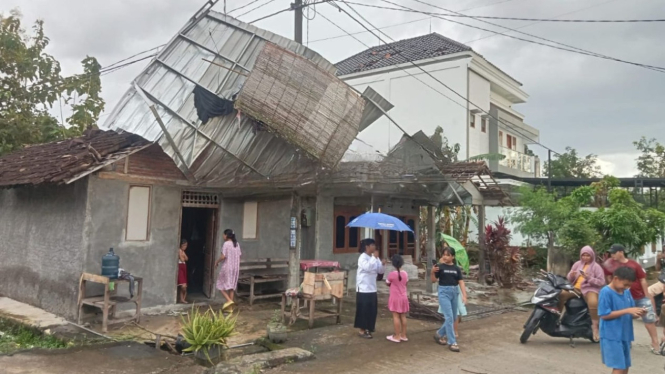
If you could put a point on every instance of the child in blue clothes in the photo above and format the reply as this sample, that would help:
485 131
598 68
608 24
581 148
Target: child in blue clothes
616 309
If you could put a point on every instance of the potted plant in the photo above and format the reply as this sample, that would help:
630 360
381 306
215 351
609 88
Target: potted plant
276 328
207 334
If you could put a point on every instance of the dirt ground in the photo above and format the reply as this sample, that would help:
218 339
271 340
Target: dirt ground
117 358
489 346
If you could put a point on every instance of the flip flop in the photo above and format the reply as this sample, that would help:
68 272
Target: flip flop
440 340
662 348
404 339
657 352
392 338
454 348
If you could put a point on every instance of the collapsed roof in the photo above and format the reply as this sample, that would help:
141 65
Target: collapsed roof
67 160
280 109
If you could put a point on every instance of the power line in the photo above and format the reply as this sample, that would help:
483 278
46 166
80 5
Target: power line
534 23
508 125
243 6
457 14
577 50
405 23
566 47
255 8
365 32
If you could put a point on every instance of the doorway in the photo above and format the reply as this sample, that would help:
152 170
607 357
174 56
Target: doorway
198 226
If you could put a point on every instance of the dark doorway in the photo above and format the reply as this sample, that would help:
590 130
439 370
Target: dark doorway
198 226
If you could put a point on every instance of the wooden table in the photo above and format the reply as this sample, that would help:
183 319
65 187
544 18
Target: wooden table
108 302
311 315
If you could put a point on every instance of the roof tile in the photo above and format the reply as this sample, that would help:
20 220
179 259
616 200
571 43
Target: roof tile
400 52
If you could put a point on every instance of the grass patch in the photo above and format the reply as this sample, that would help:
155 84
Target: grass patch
15 336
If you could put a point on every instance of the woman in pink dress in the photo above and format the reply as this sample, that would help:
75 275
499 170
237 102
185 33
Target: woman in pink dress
227 281
398 302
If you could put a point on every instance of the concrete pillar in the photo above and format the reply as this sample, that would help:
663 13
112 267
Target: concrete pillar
416 239
481 245
294 250
431 247
385 237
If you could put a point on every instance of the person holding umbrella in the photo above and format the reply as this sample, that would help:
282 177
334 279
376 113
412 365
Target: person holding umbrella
369 268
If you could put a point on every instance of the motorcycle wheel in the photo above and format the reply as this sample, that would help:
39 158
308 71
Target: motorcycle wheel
531 326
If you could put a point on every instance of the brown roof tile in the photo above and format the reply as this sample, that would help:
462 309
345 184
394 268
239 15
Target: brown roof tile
60 162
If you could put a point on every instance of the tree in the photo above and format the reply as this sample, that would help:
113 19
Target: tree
31 83
571 165
651 163
565 222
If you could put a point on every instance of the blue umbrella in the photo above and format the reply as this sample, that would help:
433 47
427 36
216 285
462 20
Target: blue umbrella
379 221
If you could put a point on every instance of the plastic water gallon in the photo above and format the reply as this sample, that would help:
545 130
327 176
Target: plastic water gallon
110 265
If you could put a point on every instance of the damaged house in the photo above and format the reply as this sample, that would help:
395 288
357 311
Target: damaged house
230 126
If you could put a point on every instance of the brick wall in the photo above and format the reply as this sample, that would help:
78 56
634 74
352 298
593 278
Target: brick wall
152 162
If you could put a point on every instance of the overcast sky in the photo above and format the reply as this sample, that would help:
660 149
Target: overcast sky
594 105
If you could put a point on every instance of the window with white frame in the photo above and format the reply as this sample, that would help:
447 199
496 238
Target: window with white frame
250 220
472 120
138 214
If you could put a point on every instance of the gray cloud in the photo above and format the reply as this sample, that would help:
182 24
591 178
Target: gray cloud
593 105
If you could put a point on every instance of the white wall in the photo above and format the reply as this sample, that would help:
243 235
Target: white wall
418 107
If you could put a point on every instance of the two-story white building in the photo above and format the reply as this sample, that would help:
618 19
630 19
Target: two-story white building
389 69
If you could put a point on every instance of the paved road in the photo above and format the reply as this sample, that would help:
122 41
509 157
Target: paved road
489 345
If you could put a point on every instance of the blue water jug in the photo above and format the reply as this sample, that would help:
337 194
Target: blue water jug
110 265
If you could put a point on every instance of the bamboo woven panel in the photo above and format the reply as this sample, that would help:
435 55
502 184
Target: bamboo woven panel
309 107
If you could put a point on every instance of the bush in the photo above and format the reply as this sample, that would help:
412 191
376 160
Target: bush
534 257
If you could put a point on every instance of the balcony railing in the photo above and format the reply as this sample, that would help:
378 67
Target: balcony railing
517 160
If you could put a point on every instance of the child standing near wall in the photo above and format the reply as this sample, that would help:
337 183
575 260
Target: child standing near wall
398 302
616 309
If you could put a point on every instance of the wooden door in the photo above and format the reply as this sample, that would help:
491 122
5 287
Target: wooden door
209 255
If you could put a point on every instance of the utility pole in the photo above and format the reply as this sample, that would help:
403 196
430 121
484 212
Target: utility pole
297 6
549 170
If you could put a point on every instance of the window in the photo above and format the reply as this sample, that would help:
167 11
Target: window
511 142
347 239
138 214
250 220
483 125
472 118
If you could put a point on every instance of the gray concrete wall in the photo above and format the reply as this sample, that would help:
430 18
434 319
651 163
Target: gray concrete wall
273 227
156 259
41 231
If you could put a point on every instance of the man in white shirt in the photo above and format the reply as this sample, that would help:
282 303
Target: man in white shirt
369 268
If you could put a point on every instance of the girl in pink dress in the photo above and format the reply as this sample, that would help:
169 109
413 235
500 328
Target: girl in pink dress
227 281
398 302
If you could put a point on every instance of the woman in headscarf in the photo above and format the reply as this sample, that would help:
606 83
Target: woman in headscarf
369 268
588 278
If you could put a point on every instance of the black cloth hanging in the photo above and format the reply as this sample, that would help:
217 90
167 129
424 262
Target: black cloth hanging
209 105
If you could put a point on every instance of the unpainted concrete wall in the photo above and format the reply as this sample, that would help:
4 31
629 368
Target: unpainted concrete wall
273 227
41 234
156 259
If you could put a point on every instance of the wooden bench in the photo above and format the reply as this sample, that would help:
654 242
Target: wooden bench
108 302
261 271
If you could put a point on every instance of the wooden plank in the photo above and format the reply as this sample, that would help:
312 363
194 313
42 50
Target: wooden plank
95 278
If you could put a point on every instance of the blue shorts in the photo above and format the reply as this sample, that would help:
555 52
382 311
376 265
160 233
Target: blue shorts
615 353
650 315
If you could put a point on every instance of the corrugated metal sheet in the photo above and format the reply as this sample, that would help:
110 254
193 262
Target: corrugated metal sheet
226 150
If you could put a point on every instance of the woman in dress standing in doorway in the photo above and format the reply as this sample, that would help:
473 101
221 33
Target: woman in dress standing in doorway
227 281
182 271
369 267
